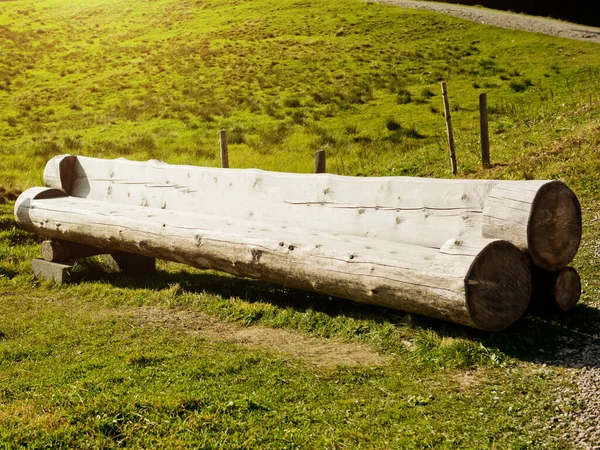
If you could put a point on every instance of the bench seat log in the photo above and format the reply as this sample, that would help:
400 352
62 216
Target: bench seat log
482 283
444 248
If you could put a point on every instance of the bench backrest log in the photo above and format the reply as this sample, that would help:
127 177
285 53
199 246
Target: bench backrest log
424 212
419 211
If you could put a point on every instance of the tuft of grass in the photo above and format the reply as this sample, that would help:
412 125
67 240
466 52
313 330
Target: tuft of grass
404 97
392 124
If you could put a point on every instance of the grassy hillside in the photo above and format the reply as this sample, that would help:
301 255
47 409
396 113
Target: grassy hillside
117 362
159 79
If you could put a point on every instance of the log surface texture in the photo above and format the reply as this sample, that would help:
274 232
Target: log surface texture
481 283
441 248
543 217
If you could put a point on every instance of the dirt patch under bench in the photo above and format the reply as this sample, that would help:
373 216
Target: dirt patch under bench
319 352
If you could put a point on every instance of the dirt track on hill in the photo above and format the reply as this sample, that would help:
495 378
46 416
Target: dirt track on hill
505 19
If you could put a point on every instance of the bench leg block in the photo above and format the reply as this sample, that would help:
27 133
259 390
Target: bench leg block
54 271
130 264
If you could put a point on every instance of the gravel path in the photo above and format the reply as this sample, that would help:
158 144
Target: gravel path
505 19
577 405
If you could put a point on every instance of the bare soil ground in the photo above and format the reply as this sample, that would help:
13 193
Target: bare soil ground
321 353
506 19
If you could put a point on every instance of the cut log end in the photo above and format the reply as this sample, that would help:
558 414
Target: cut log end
567 289
556 290
554 227
498 286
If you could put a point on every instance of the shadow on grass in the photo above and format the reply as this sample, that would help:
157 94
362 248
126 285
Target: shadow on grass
562 339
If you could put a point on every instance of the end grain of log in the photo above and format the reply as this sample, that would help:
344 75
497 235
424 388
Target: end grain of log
498 286
554 227
556 290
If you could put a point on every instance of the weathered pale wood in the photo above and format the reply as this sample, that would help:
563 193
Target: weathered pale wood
320 161
224 149
419 211
543 217
556 290
58 250
484 132
449 128
61 171
476 282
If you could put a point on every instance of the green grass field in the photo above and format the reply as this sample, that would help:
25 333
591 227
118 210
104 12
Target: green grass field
117 362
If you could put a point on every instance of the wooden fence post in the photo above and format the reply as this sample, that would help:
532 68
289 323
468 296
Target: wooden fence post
224 154
320 161
485 137
449 128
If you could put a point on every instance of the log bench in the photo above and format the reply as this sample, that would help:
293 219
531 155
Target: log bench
449 249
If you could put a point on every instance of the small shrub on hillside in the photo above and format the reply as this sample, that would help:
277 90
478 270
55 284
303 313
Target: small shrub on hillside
362 139
324 136
351 130
518 86
292 102
72 143
412 132
273 110
323 97
503 108
47 149
404 97
143 142
298 116
427 93
392 124
12 121
236 136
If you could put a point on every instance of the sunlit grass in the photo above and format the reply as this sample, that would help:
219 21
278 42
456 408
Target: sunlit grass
159 80
285 78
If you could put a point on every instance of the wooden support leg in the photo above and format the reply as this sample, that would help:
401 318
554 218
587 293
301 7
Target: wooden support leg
130 264
55 250
559 291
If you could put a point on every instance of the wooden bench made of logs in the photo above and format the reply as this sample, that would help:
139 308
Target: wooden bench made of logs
449 249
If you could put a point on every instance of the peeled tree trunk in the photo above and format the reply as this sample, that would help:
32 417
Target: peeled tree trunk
449 249
540 216
482 283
